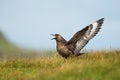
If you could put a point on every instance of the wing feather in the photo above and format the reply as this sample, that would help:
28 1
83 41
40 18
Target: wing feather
81 38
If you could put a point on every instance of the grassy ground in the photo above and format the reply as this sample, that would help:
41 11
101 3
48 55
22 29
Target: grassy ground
19 64
99 65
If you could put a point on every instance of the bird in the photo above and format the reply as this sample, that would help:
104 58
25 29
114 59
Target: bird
78 41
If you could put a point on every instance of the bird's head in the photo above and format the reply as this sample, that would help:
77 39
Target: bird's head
57 37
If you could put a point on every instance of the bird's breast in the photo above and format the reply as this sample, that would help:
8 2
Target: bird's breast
63 50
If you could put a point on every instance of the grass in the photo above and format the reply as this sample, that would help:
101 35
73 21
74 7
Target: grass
19 64
99 65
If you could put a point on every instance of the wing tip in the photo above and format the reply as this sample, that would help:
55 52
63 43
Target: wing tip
100 21
103 18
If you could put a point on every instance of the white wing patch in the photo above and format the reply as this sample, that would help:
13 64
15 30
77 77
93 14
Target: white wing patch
90 33
95 24
80 44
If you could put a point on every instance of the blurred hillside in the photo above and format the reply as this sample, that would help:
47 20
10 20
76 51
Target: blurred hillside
7 49
11 51
3 40
6 44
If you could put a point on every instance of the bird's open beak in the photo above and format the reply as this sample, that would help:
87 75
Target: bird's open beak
54 36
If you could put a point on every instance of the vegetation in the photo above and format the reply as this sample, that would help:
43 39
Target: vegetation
19 64
100 65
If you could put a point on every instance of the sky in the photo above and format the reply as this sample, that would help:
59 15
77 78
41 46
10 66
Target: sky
29 23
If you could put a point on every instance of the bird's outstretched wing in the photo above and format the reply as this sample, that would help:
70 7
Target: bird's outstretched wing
82 37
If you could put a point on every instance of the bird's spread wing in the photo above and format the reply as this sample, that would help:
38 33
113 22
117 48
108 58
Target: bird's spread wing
81 38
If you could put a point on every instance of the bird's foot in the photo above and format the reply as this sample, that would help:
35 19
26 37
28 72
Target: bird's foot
79 54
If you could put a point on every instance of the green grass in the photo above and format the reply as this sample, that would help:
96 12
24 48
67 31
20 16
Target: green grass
99 65
20 64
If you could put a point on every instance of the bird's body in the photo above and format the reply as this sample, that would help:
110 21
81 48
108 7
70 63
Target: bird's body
78 41
63 50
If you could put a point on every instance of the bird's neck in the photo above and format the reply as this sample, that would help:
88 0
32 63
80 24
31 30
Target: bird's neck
60 43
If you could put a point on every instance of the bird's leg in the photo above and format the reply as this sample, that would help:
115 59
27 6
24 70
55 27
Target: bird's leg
79 54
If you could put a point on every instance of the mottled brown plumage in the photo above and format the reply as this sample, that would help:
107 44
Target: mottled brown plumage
78 41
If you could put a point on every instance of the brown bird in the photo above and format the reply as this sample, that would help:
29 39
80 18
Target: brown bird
78 41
